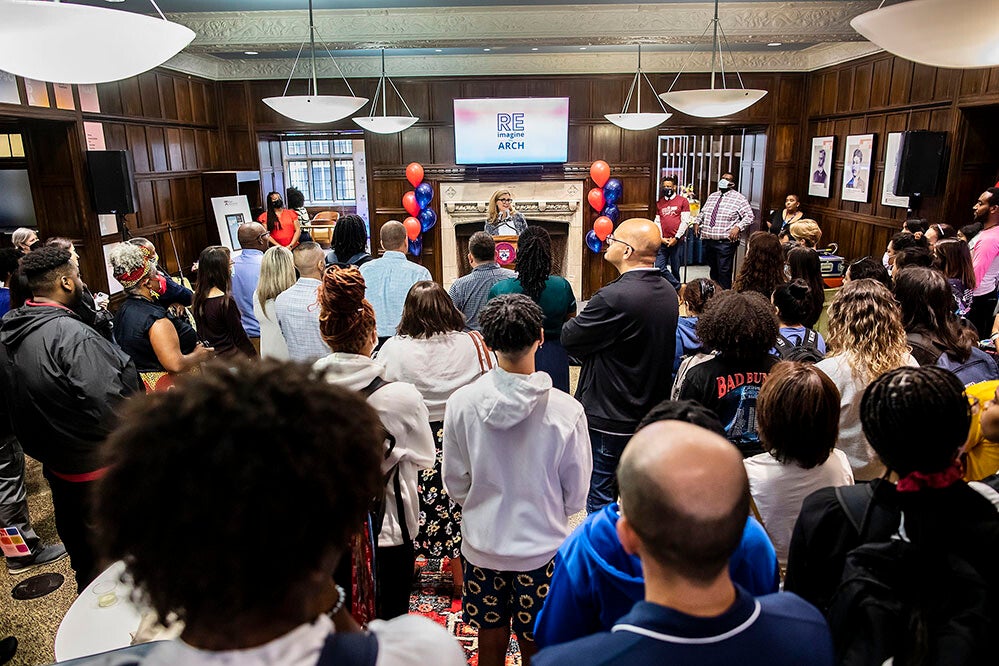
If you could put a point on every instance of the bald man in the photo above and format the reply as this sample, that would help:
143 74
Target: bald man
389 278
296 309
625 338
252 238
684 536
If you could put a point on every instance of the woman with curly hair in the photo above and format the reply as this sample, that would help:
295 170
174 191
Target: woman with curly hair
803 264
552 292
866 340
741 329
347 325
763 269
694 297
432 351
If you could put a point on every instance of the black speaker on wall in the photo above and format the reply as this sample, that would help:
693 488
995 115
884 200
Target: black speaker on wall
920 167
111 181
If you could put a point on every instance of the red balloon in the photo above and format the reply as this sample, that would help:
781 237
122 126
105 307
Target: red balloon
410 203
602 227
596 199
413 228
414 173
599 172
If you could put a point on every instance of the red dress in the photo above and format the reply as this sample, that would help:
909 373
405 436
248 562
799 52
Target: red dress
284 231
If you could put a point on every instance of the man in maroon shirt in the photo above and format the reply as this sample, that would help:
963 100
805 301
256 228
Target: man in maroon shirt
673 215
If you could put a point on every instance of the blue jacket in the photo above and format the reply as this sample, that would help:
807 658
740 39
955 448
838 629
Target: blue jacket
687 342
596 582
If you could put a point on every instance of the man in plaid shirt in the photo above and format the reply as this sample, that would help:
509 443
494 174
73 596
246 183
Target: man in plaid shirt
723 217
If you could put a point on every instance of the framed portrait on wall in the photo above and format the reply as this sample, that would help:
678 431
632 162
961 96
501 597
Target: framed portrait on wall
857 155
820 166
893 155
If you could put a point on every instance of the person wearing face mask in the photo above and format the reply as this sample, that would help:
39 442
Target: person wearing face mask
724 215
159 345
62 383
281 223
674 216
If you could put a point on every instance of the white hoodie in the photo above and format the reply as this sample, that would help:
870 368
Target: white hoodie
517 459
401 410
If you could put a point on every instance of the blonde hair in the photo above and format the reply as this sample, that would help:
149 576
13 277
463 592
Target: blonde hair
277 273
492 212
808 231
865 326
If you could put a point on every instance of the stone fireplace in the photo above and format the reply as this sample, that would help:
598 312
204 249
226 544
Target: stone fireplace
549 203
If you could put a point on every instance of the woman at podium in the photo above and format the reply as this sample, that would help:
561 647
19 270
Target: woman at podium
501 217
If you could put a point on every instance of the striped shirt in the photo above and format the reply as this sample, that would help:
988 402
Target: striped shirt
471 291
733 210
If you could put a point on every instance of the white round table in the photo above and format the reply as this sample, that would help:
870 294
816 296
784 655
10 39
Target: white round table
88 629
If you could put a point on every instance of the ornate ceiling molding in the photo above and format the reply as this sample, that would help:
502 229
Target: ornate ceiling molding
207 67
660 23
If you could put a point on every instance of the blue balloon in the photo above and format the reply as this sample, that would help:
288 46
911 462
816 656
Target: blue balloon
611 211
612 191
416 246
592 242
428 218
424 193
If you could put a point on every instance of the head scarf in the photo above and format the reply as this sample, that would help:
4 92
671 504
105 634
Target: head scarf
130 278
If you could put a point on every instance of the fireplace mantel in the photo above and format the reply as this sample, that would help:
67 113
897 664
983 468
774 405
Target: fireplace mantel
552 201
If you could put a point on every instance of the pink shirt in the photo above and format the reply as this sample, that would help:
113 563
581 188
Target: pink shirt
985 257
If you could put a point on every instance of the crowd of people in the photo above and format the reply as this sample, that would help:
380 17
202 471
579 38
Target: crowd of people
756 490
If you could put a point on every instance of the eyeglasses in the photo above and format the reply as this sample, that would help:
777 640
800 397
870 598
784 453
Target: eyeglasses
611 239
263 235
505 200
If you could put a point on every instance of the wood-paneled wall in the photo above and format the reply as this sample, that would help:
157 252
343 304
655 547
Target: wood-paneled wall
169 124
881 94
632 155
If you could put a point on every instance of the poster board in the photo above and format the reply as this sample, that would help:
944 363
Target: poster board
858 152
230 213
820 166
893 155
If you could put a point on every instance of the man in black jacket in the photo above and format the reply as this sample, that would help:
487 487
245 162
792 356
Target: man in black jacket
62 382
626 339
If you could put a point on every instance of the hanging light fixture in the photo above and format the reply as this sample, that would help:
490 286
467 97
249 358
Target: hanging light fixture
385 124
639 120
66 43
713 102
935 32
315 108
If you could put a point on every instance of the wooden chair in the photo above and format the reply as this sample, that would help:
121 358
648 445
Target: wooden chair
321 227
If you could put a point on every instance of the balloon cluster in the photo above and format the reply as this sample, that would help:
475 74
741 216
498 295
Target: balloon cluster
422 217
603 198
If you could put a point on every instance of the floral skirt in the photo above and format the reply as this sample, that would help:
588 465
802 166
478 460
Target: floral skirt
440 518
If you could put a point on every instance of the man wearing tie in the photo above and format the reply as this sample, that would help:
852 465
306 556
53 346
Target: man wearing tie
723 217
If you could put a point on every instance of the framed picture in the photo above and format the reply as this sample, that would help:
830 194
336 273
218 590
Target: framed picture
893 154
857 155
820 166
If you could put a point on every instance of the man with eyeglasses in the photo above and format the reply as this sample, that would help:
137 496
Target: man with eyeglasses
724 216
626 339
252 238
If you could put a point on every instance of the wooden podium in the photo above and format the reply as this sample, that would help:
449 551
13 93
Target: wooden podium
506 251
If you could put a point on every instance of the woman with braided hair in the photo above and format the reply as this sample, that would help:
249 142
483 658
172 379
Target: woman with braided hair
552 292
347 325
928 503
866 339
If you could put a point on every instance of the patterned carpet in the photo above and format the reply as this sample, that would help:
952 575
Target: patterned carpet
432 598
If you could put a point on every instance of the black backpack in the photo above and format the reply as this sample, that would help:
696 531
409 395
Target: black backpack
377 510
914 603
806 351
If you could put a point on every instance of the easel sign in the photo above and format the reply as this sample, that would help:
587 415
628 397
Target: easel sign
230 213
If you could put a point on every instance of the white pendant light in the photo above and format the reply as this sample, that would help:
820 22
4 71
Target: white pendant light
713 102
66 43
639 120
315 108
385 124
938 33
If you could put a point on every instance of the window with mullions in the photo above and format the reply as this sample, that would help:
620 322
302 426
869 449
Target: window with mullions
322 169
